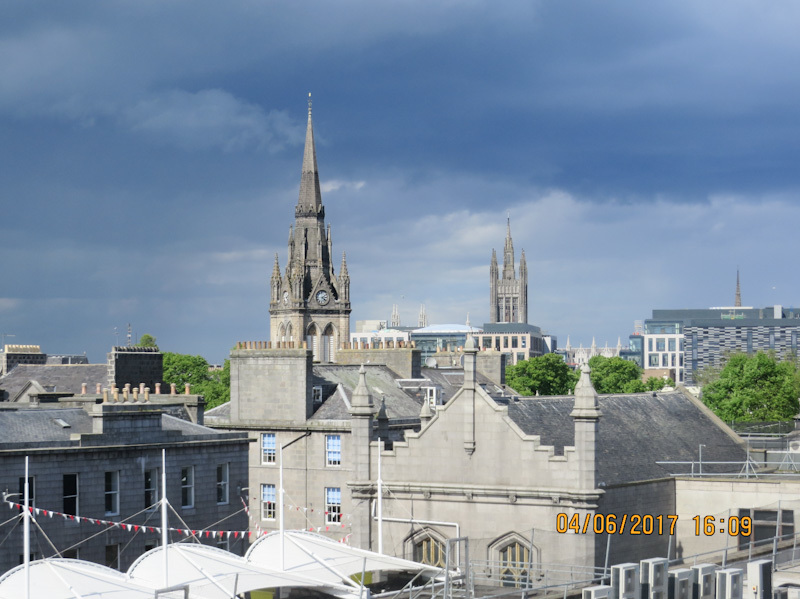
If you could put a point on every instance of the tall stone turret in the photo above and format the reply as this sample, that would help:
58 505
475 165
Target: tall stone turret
508 295
362 410
585 416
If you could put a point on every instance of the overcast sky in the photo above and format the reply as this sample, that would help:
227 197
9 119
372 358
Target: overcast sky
150 160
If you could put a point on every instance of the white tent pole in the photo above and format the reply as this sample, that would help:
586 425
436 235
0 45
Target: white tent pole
26 531
164 513
380 500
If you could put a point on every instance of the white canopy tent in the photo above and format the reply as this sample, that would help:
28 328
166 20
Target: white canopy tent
56 578
318 557
213 573
311 560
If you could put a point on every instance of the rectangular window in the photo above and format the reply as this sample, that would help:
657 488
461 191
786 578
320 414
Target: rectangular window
316 393
333 450
150 488
524 340
505 342
268 448
660 344
671 343
222 483
31 490
514 342
70 494
772 339
268 504
333 505
665 359
674 359
112 493
187 486
749 343
652 360
486 342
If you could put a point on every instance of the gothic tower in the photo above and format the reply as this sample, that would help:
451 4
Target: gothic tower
508 295
309 302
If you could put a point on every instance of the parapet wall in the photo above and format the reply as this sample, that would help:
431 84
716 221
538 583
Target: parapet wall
404 361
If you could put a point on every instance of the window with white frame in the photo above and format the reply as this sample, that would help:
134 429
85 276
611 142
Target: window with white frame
268 504
333 450
316 393
150 488
187 486
269 448
333 505
70 487
112 493
222 483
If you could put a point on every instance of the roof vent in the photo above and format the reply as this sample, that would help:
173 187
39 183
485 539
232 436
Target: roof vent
62 423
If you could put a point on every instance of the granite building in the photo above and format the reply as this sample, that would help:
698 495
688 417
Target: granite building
508 294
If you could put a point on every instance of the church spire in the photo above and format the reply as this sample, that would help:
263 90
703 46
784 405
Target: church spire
310 200
508 254
738 301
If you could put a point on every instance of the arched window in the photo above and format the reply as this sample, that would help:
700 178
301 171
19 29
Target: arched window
515 560
312 337
282 333
427 547
289 336
515 565
428 550
327 344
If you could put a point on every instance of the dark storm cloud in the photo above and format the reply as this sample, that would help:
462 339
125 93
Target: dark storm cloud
151 151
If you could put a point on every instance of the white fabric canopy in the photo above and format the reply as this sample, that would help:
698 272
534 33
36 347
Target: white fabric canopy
56 578
318 557
213 573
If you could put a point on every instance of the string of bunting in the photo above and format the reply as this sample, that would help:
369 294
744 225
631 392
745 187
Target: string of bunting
327 528
135 528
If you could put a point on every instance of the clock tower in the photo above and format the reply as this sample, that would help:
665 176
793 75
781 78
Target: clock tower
308 302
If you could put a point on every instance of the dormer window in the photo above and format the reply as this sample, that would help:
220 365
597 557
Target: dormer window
316 396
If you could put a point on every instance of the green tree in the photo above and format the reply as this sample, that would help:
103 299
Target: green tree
657 383
615 375
547 374
147 340
754 388
213 385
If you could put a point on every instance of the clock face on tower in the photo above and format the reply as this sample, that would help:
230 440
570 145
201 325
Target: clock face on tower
322 297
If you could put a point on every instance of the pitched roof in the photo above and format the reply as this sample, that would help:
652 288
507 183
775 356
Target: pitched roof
381 381
53 377
634 432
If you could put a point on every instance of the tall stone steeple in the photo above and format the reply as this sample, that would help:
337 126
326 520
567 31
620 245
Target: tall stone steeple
310 303
508 295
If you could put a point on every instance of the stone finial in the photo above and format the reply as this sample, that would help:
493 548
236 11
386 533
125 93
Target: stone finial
361 404
586 403
382 410
425 413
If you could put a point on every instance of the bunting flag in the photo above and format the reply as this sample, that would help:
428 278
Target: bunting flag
134 528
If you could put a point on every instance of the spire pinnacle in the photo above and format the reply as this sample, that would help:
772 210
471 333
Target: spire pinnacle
310 199
343 270
508 254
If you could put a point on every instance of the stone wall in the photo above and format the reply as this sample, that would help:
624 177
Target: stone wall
404 361
134 366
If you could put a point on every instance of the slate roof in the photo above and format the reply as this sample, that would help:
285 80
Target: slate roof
45 425
634 433
54 377
381 381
